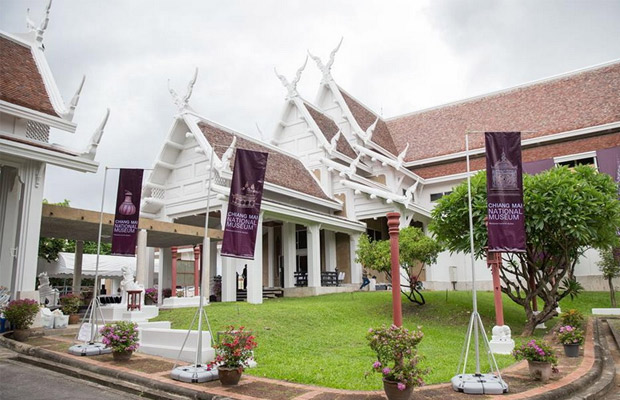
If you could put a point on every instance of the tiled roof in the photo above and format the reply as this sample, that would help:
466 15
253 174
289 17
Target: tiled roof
20 80
329 129
282 169
584 99
365 118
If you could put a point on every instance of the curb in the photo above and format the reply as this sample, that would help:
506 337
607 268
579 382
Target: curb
139 385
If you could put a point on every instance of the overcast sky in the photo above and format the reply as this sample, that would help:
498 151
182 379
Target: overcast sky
397 57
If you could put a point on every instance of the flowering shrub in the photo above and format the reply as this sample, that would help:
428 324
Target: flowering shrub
235 348
151 293
397 356
70 303
21 313
570 335
573 318
536 351
122 336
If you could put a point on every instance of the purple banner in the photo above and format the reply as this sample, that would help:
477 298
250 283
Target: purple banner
506 223
608 161
246 193
535 167
127 217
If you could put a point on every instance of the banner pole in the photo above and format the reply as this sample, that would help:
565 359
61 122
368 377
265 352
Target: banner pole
96 288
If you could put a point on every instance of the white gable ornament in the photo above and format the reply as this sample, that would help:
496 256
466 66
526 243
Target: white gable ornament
291 86
326 68
182 103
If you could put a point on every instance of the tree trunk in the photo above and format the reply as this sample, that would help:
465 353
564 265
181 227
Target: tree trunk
612 293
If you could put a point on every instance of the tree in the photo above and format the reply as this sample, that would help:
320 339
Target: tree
414 247
566 212
610 267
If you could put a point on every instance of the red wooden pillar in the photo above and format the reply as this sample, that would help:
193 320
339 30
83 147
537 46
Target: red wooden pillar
196 271
494 260
174 271
393 224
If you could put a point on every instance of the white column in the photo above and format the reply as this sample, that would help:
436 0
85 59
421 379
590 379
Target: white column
205 269
150 267
141 258
77 266
270 256
314 255
33 176
330 250
255 268
289 253
229 276
10 190
165 272
356 268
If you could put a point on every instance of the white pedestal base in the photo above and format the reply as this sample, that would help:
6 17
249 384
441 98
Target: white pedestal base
606 311
501 340
180 302
118 312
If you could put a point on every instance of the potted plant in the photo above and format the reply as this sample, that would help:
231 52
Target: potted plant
150 296
571 338
233 352
397 360
70 305
541 359
122 337
21 314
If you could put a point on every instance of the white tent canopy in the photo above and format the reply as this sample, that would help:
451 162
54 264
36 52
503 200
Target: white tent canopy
110 267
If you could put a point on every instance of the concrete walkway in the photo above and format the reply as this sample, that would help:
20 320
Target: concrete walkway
588 376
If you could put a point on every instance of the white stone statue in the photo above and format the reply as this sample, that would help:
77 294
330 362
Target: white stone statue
129 283
47 294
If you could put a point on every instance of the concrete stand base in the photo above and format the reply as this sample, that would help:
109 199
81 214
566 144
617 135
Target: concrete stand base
89 349
479 384
118 312
194 374
606 311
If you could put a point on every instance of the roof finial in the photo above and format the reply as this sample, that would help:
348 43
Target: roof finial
333 143
292 86
367 136
182 102
91 150
38 31
75 99
326 68
225 160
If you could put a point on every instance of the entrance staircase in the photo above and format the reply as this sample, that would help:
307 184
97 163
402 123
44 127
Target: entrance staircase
268 293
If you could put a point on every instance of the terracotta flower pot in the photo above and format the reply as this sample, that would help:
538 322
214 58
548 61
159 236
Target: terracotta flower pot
122 355
393 393
571 350
21 335
229 376
539 370
74 319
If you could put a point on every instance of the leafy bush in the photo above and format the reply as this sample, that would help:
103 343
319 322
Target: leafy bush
397 355
235 348
151 293
21 313
122 336
167 292
70 303
573 318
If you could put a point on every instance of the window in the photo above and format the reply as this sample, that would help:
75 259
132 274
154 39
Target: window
301 239
580 161
374 234
437 196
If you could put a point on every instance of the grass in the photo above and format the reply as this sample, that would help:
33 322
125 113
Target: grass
321 340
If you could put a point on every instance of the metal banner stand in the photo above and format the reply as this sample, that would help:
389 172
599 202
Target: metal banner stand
198 372
91 347
476 383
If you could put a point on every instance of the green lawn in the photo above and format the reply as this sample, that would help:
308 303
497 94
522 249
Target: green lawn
321 340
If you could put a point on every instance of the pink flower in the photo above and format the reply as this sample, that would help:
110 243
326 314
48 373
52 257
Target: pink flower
376 365
386 371
401 386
